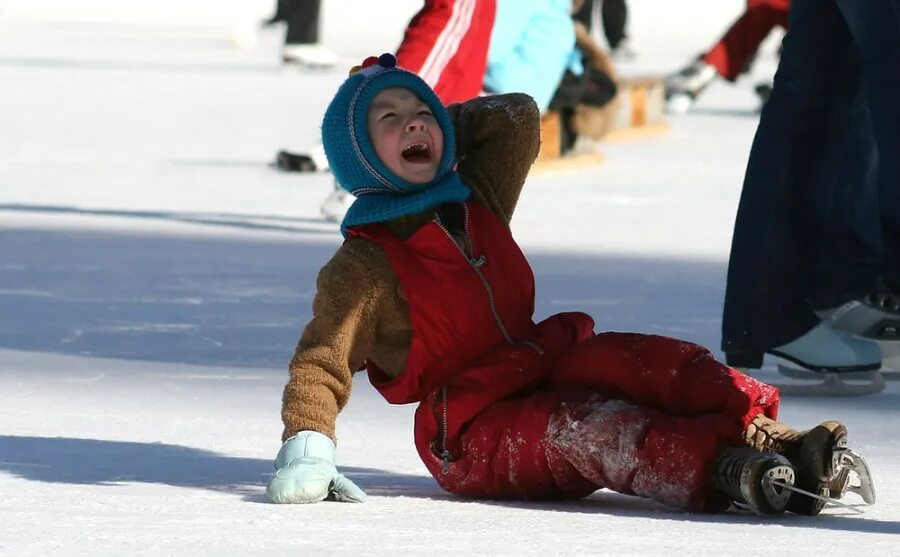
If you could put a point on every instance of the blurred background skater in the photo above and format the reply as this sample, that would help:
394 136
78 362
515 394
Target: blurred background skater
531 46
612 17
301 41
731 56
818 226
585 100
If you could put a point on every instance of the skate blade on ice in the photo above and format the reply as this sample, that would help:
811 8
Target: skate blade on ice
857 465
845 460
848 383
812 383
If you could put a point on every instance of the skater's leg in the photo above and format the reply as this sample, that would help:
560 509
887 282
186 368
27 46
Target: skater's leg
739 44
303 21
875 27
769 274
301 44
671 375
615 20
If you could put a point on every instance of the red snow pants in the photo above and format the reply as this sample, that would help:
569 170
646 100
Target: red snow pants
446 43
639 414
730 55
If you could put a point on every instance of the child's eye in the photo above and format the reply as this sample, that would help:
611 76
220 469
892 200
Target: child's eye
424 113
387 115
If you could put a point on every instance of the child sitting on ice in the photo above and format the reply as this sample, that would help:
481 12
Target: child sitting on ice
432 295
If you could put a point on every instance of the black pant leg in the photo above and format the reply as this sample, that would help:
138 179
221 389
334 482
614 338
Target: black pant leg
303 21
875 27
615 18
788 193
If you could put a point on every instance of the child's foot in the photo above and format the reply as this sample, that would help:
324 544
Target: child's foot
755 479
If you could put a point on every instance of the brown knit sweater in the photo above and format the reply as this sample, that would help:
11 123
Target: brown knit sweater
359 311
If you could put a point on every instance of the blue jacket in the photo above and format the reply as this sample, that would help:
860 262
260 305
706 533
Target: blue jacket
532 44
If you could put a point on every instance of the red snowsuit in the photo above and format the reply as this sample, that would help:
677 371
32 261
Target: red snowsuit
510 409
446 43
730 55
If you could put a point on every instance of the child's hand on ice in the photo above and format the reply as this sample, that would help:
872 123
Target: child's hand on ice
305 472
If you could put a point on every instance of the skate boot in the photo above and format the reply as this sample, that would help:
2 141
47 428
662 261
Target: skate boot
842 364
823 349
683 88
812 454
820 458
875 317
336 204
816 464
754 479
312 56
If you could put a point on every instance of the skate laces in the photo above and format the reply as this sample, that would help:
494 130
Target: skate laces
766 435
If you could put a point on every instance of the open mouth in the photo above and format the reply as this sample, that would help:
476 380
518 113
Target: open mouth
416 152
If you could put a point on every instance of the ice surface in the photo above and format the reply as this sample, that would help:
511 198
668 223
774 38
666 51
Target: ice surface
155 275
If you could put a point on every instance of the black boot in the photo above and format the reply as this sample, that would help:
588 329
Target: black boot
753 478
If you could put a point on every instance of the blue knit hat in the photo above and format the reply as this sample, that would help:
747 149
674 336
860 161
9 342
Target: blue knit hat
381 195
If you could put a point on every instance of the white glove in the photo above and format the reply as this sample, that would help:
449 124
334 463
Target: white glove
305 472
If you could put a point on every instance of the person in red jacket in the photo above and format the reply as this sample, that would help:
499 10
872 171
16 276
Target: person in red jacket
733 53
432 295
446 43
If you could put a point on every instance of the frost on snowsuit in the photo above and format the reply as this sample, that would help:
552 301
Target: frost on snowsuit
511 409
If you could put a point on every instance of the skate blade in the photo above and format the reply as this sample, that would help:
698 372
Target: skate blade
850 383
833 385
828 500
292 65
855 462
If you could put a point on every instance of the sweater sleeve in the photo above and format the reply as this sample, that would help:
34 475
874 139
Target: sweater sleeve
497 140
335 343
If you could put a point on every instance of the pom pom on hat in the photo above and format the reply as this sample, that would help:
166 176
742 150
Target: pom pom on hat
387 60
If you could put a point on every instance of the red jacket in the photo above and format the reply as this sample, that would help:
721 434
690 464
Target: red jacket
446 43
501 397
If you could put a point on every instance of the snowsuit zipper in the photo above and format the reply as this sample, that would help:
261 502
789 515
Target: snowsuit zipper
476 264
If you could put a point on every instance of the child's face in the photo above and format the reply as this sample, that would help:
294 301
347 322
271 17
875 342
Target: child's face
406 136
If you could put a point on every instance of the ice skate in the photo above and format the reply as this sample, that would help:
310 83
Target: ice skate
844 365
308 56
840 363
814 458
875 317
763 92
336 204
624 51
313 161
683 88
822 463
753 479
